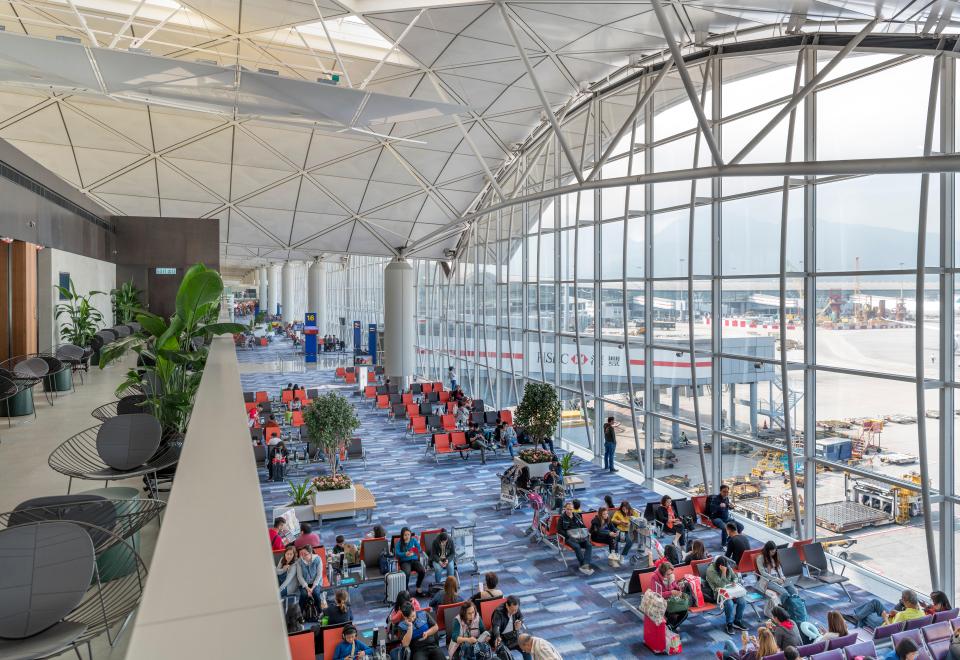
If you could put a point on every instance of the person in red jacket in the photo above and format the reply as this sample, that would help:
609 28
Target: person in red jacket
277 532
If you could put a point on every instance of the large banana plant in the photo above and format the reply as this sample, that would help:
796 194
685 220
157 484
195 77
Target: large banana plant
126 302
172 352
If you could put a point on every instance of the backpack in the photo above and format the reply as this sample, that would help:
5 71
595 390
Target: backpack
710 504
310 610
795 607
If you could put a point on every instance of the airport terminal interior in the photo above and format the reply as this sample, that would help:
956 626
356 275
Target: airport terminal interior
469 329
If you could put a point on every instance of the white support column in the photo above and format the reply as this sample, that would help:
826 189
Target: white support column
262 282
286 302
399 299
273 289
317 293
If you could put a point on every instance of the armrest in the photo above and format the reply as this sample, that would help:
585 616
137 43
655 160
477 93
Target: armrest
816 571
833 566
621 585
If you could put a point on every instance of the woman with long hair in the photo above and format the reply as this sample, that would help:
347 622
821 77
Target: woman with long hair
449 595
339 612
698 552
287 571
771 574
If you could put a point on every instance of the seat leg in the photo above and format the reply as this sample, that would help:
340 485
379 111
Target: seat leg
844 587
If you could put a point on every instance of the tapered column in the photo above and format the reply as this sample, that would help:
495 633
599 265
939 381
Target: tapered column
399 297
273 289
262 285
286 302
316 293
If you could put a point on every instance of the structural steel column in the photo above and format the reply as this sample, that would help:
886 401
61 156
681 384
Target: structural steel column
273 289
286 302
399 304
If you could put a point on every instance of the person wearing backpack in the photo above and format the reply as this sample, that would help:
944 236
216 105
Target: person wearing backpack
418 632
785 631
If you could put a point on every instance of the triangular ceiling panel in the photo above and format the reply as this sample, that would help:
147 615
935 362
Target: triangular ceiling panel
281 196
250 179
327 147
275 221
242 231
350 191
308 224
214 148
314 200
215 176
175 186
95 164
354 167
14 103
56 158
363 242
381 193
333 241
86 133
133 121
132 204
44 125
172 129
140 181
175 208
248 151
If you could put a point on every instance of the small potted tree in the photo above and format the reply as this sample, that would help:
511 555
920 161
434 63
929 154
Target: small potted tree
539 414
331 420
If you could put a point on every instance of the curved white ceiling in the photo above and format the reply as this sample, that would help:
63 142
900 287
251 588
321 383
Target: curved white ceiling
289 189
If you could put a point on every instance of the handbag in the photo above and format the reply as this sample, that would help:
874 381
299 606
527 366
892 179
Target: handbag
677 604
674 647
577 534
696 590
731 591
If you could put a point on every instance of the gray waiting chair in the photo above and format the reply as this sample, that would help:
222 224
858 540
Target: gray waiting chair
822 569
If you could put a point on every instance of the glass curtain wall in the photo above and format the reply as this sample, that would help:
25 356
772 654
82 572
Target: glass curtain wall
727 321
354 292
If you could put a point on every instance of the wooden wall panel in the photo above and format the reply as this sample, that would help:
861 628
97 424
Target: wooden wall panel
4 301
24 298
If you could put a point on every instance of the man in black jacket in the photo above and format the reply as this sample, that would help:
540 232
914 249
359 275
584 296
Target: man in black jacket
718 508
737 543
442 554
505 625
578 540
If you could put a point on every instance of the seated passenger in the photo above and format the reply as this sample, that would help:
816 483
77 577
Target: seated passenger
721 575
718 509
402 598
671 524
277 534
751 648
442 556
737 544
351 648
621 520
771 574
784 629
938 603
505 626
873 615
408 554
836 627
697 552
906 649
489 588
475 441
574 533
602 530
537 648
339 612
665 583
307 537
309 576
418 632
287 571
448 596
465 633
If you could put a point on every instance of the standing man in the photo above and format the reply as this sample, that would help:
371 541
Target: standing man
609 445
452 374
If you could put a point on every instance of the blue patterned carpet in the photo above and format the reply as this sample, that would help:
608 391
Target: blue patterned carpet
579 615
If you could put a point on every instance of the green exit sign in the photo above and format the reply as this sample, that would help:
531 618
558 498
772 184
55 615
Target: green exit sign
166 271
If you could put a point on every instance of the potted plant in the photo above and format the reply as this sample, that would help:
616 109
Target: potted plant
569 468
126 303
300 497
333 489
331 421
536 460
82 318
539 414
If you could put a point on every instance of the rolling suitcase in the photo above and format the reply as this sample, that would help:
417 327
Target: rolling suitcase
395 581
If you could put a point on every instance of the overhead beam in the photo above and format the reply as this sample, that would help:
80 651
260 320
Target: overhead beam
687 82
376 69
543 97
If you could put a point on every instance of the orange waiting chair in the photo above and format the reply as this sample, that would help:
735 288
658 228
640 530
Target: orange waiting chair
351 378
286 396
449 423
340 372
506 416
371 377
262 397
413 410
302 646
250 405
438 387
487 607
370 392
426 388
297 418
418 425
383 401
301 394
444 396
406 398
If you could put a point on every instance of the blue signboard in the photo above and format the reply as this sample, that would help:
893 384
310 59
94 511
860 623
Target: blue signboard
356 336
372 341
310 337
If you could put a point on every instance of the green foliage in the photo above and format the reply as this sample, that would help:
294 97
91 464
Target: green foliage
566 463
300 493
172 352
331 421
126 302
83 319
539 411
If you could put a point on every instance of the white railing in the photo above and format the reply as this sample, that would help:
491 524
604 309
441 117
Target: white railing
211 592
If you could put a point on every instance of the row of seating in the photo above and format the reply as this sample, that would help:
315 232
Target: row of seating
888 631
261 396
840 648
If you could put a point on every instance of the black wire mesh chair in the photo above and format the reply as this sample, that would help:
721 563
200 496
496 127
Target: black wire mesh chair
78 358
8 390
108 604
22 377
78 458
55 366
127 405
